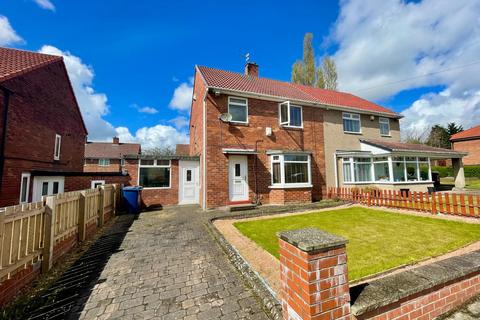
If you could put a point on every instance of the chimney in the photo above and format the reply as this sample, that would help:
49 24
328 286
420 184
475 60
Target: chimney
251 69
116 140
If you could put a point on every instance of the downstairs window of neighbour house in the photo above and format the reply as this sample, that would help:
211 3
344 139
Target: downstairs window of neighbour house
154 173
290 169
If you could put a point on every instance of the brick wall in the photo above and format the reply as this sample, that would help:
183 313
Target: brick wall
9 288
196 126
91 165
288 196
432 303
262 114
155 197
80 182
42 105
473 149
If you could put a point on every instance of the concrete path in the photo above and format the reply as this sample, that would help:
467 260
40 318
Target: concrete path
170 267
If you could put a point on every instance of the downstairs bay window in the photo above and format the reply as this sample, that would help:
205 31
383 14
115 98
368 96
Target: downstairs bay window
290 170
386 169
154 173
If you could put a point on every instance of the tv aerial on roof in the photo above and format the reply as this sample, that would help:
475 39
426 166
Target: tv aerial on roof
225 117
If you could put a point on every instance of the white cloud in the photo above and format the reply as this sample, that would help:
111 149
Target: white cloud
148 110
182 97
93 105
387 46
45 4
180 122
156 136
8 36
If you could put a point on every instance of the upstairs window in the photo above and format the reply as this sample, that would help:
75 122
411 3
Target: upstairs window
351 122
290 115
103 162
56 150
384 126
154 173
238 108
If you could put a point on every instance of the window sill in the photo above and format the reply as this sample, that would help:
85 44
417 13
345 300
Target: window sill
155 188
291 128
241 124
351 132
386 135
295 186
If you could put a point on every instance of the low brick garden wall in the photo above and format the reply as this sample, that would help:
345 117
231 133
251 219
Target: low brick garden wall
315 283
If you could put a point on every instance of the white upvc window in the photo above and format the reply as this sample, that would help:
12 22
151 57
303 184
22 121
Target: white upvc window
290 115
103 162
154 173
384 124
351 122
291 170
58 144
238 108
386 169
24 187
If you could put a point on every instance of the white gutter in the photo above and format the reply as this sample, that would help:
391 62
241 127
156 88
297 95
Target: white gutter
305 102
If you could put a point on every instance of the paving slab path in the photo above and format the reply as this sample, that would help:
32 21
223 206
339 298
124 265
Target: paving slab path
170 267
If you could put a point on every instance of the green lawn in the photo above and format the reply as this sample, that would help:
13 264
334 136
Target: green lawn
471 183
378 240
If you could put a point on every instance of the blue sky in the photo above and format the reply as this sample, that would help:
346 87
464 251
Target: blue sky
132 61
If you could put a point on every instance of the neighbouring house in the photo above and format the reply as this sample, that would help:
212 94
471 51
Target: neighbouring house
41 127
257 140
108 156
468 141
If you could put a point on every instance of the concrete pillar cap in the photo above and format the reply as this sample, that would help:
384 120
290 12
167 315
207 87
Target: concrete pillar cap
312 239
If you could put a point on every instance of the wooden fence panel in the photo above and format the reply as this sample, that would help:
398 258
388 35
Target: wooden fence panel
445 203
20 237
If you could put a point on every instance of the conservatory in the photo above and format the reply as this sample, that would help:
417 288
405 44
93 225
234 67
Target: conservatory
393 165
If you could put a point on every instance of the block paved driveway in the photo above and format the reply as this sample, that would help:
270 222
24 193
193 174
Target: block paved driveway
170 267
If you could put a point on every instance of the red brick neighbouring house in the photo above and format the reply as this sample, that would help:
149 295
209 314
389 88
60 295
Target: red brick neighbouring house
108 156
41 127
468 141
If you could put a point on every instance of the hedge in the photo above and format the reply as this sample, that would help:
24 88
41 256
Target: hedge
470 171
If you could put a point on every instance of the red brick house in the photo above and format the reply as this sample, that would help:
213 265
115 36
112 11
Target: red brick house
262 141
468 141
272 142
41 127
108 156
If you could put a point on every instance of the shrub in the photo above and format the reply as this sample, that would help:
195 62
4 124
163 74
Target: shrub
470 171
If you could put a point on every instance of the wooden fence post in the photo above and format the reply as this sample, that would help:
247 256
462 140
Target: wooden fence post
81 217
114 199
101 207
49 239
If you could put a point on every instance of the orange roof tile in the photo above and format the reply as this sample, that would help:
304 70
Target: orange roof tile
467 134
14 62
228 80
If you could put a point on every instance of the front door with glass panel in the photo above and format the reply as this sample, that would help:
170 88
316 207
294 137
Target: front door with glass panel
47 186
238 178
189 182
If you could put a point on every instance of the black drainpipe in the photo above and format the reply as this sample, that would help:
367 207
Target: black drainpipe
6 102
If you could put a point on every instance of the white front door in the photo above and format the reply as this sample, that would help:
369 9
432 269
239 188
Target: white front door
238 178
189 182
47 186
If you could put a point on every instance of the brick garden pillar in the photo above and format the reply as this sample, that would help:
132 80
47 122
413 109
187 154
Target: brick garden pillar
314 275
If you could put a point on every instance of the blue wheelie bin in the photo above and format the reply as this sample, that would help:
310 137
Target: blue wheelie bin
132 199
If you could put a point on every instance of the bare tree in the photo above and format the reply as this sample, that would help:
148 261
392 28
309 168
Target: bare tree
160 151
